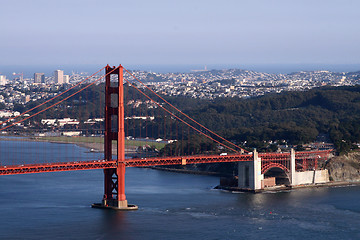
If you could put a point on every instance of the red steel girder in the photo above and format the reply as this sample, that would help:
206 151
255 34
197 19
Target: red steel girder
187 160
56 167
266 159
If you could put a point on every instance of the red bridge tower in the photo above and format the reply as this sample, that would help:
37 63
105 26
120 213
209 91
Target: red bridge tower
114 182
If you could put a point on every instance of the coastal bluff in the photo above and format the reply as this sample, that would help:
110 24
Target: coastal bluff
344 168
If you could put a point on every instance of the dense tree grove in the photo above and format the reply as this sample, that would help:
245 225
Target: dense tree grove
297 117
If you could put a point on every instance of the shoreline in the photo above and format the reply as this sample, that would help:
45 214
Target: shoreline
270 189
97 147
287 188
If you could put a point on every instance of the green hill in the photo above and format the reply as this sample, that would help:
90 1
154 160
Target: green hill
297 117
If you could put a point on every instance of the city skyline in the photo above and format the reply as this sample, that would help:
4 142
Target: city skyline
179 32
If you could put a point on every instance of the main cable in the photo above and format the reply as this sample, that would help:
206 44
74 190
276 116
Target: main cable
185 113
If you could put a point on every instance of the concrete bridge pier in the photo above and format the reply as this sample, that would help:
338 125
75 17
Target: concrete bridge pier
306 177
249 173
292 167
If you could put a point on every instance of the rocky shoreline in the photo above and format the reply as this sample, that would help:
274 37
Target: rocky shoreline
344 168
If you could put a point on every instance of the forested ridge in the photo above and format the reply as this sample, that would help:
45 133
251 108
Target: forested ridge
297 117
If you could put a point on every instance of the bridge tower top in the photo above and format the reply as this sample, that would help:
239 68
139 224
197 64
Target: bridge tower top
114 113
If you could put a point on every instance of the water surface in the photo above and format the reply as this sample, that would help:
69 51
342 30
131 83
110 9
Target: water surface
171 206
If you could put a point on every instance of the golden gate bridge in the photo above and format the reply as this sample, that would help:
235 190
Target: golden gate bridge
114 165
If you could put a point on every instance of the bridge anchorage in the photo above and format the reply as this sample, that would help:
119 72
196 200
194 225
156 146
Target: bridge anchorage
114 178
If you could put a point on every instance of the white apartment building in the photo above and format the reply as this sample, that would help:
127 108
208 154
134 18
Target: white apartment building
66 79
2 80
59 76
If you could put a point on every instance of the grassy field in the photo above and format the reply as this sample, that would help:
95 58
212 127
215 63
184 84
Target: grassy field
100 140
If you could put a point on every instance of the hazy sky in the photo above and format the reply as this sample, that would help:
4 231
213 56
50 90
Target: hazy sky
179 32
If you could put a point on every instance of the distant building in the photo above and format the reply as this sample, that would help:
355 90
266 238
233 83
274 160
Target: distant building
71 133
59 76
6 113
39 78
60 122
66 78
3 80
25 98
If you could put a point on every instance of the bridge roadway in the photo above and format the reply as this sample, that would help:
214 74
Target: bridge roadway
158 161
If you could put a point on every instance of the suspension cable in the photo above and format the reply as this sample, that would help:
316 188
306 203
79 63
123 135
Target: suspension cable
172 114
184 113
43 110
51 98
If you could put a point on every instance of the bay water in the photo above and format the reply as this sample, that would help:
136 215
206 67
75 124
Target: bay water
171 205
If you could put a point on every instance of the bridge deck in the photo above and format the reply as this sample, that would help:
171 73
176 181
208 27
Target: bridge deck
102 164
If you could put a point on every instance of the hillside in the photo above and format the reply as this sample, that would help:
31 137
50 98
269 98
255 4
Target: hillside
297 117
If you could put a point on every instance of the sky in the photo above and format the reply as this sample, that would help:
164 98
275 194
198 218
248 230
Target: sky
143 32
